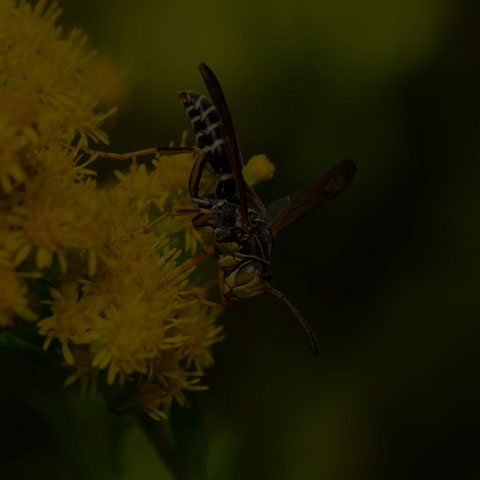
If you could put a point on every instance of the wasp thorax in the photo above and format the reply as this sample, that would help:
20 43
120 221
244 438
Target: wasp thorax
249 279
227 234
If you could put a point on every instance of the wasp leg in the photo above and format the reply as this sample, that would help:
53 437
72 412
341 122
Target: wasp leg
208 303
196 293
196 174
203 217
161 151
201 290
173 212
188 265
255 198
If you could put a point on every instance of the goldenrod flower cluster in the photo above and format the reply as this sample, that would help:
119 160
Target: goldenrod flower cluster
120 308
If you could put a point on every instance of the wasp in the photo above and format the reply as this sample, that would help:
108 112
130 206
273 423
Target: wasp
234 221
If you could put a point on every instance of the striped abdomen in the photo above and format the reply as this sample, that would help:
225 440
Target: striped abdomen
206 125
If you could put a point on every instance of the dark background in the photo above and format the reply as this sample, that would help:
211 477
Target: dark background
387 274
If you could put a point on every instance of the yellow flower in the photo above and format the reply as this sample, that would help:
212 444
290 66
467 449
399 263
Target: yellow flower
198 326
137 316
46 100
144 186
58 215
125 348
119 307
11 143
71 321
149 398
258 169
175 170
59 160
13 298
84 372
13 246
168 373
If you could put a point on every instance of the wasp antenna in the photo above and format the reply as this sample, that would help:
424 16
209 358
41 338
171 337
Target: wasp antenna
313 347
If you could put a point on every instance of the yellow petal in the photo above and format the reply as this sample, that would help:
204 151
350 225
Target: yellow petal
67 354
62 261
6 184
92 263
47 342
44 258
17 173
22 254
25 313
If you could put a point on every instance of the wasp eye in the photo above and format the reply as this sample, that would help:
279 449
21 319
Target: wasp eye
246 273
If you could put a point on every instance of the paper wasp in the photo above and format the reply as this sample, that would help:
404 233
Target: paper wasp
240 237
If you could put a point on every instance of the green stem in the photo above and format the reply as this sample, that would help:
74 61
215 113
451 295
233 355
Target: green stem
155 431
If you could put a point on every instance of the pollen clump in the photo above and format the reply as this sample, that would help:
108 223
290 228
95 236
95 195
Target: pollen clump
113 302
258 169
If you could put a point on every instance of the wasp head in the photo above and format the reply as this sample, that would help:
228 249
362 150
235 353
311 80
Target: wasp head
247 280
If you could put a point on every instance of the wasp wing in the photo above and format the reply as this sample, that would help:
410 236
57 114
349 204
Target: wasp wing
329 185
228 134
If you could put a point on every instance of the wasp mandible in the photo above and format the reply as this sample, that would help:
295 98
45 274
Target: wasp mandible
233 218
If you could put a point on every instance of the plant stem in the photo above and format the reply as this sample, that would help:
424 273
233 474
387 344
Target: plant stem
156 433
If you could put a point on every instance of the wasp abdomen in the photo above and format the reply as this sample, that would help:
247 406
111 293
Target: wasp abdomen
206 125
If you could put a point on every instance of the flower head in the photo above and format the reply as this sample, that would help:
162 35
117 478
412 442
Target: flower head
118 310
62 215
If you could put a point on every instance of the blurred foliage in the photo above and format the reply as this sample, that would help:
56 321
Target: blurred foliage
387 274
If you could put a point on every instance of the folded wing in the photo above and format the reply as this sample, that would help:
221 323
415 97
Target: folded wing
328 186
